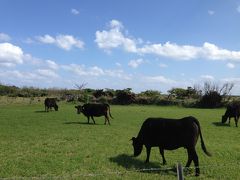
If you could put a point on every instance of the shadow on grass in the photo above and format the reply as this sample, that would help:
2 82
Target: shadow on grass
43 111
84 123
132 163
220 124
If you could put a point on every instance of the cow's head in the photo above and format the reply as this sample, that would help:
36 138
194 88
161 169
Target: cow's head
79 109
224 118
137 146
56 107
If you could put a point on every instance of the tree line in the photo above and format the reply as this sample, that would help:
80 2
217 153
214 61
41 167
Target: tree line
209 95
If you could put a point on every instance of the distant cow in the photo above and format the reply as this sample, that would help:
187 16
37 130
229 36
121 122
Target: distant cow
49 103
233 110
170 134
90 110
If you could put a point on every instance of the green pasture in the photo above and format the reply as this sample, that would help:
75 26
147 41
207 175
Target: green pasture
60 145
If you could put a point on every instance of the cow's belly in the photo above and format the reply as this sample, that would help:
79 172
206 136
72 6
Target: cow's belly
169 144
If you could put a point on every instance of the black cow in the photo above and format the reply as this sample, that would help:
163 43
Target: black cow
170 134
49 103
233 110
90 110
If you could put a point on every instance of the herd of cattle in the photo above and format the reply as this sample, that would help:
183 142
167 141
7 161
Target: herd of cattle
167 134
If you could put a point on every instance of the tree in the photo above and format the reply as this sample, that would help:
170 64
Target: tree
179 93
213 94
150 93
125 96
98 93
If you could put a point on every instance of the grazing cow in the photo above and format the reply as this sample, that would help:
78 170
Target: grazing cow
170 134
90 110
49 103
233 110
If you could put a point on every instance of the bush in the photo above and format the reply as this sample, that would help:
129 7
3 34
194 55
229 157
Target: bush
102 99
124 97
211 100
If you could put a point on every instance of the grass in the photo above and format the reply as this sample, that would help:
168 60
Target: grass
61 145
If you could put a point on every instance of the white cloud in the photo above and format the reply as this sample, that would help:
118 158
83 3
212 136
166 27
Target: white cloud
75 68
82 70
48 73
19 76
47 39
230 65
213 52
38 77
74 11
51 64
95 71
66 42
207 77
10 55
135 63
115 24
4 37
159 79
187 52
171 50
114 38
119 73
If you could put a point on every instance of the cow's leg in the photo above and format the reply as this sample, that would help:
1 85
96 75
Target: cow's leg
107 119
162 153
148 148
229 121
196 163
93 119
236 121
88 119
190 158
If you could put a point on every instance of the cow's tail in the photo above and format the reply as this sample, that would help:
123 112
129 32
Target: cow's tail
109 111
201 137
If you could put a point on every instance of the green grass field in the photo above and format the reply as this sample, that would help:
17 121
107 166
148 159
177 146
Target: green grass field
60 145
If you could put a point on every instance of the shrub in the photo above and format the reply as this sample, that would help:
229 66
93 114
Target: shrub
124 97
211 100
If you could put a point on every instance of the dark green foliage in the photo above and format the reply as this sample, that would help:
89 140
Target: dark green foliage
98 93
181 93
150 93
210 97
124 97
211 100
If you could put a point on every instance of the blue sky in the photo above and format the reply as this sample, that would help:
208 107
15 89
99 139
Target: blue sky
134 44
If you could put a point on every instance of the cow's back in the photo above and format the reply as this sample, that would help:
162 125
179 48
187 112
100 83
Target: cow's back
169 133
95 109
232 110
